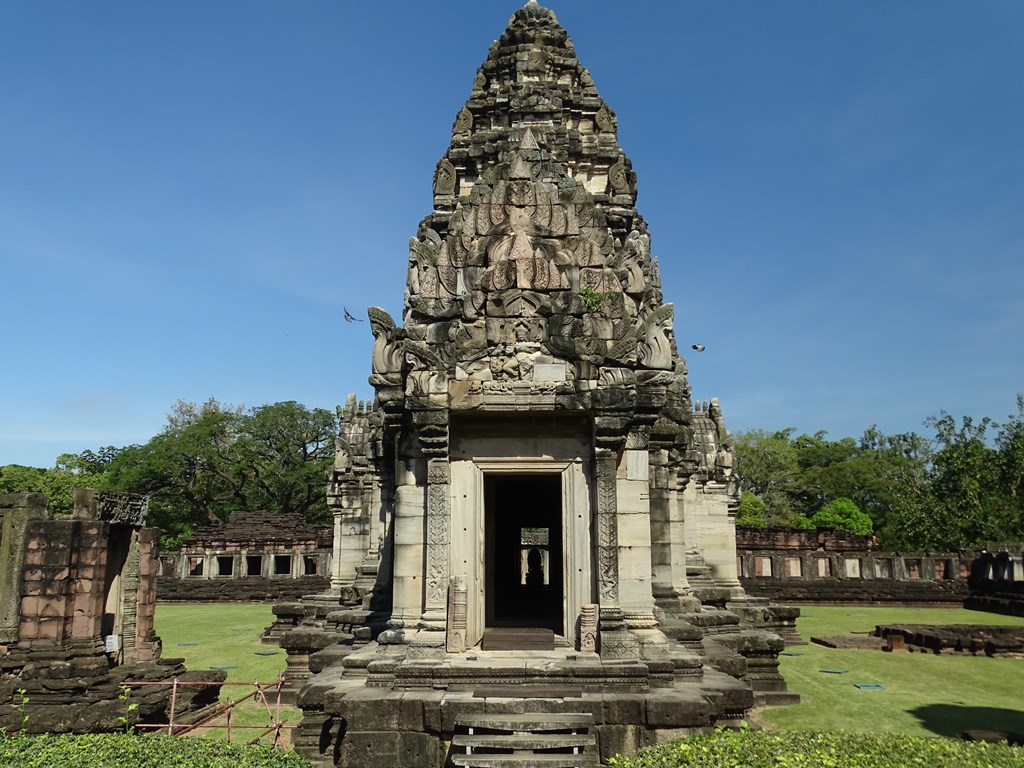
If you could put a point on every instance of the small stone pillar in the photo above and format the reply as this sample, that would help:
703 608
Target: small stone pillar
458 594
588 628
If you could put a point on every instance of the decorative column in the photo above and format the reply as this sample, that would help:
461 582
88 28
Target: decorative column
610 615
438 536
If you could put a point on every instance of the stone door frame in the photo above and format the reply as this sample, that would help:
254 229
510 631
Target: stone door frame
468 532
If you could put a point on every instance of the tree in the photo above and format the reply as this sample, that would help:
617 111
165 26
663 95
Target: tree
751 511
964 481
17 478
842 515
58 482
213 459
284 452
766 467
1011 452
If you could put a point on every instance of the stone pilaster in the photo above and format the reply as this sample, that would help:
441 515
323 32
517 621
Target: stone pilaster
610 617
438 540
408 552
351 535
634 538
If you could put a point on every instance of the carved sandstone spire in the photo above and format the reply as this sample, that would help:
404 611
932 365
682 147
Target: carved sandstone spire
534 254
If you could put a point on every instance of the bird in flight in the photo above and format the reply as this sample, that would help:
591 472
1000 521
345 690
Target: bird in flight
349 317
698 347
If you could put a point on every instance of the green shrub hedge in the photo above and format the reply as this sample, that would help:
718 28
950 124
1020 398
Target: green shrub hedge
797 749
111 750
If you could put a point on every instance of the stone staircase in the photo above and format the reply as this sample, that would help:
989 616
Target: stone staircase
538 740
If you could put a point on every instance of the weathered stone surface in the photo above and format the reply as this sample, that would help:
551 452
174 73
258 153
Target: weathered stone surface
70 647
532 459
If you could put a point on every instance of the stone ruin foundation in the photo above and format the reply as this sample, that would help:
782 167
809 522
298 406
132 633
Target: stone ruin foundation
77 598
534 541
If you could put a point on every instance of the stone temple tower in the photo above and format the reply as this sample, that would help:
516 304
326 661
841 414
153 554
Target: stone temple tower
533 520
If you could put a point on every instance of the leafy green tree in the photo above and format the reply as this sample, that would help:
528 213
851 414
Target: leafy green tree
964 481
58 482
751 511
766 466
1010 443
213 459
283 451
17 478
843 515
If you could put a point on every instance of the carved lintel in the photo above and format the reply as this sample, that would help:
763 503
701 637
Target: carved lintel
113 507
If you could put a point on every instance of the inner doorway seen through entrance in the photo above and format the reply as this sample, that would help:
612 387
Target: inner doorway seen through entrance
523 552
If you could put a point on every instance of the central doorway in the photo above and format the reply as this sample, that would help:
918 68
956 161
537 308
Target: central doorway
523 551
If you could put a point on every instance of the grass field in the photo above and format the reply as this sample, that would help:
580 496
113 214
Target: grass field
924 694
228 634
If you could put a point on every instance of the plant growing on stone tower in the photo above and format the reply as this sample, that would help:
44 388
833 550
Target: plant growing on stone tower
592 300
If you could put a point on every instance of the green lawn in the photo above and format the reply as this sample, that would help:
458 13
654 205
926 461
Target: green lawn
924 694
225 634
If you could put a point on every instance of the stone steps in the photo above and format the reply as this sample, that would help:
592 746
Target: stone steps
535 740
523 741
520 761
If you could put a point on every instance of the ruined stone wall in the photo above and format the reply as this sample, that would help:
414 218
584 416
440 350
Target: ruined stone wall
253 557
836 566
792 539
997 580
84 596
17 510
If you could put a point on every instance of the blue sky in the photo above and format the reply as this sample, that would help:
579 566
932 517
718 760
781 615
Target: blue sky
191 191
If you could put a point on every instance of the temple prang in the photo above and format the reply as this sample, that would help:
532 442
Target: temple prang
533 519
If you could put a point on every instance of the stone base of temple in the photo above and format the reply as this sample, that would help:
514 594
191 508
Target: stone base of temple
389 705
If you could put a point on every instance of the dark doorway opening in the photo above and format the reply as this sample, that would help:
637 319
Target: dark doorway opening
523 552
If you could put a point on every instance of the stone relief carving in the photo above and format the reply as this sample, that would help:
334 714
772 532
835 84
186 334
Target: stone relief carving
121 508
588 628
388 354
618 178
463 122
607 532
655 348
444 178
458 593
630 260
